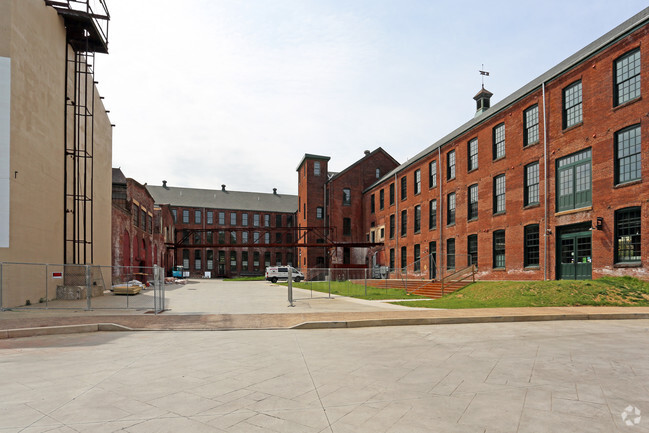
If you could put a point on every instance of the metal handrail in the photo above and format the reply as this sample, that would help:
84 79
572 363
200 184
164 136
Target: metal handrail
471 269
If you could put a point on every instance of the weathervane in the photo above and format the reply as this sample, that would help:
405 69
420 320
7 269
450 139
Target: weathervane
483 73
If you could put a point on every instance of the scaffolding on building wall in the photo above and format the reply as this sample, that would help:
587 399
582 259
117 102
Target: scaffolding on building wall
86 23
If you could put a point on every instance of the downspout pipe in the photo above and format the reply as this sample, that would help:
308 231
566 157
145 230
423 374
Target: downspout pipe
545 188
397 220
440 219
326 224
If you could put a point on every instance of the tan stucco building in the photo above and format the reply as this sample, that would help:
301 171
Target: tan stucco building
55 142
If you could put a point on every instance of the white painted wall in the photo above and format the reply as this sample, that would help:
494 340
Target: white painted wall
5 107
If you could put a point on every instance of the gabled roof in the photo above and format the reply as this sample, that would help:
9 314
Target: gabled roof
368 155
579 57
219 199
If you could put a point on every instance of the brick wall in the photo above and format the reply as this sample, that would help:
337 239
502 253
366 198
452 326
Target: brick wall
597 132
133 245
356 178
224 248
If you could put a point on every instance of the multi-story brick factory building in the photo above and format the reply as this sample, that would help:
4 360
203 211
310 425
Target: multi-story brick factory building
549 183
140 230
331 208
223 233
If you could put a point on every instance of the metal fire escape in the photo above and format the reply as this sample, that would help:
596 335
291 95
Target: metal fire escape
86 23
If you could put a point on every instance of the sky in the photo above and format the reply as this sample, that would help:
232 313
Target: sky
210 92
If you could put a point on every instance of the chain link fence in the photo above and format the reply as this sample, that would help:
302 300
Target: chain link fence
381 281
53 286
357 282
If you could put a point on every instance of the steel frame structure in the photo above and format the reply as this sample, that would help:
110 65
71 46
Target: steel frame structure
86 24
302 232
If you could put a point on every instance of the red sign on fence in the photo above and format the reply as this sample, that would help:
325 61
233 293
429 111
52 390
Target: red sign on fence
57 274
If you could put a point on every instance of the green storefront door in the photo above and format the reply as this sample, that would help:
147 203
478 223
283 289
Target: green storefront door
575 252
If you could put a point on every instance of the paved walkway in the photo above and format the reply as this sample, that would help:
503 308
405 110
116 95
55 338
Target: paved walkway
221 297
217 305
577 376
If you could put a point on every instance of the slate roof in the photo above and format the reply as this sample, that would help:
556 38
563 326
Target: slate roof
118 176
218 199
580 56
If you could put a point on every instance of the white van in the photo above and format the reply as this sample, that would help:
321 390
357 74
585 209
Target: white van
277 273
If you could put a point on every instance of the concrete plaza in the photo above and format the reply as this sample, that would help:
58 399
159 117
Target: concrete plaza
215 296
566 376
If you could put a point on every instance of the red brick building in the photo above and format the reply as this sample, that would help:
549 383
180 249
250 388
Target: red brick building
228 233
548 183
331 204
139 229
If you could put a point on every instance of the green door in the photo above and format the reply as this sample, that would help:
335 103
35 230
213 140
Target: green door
575 253
432 260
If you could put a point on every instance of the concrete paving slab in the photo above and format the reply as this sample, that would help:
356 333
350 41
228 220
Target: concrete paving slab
388 379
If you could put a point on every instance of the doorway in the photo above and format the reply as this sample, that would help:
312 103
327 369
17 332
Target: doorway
432 260
575 253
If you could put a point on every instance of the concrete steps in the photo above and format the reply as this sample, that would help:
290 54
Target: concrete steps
434 290
429 288
393 283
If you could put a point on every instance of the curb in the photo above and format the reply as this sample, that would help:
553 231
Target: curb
59 330
331 324
467 320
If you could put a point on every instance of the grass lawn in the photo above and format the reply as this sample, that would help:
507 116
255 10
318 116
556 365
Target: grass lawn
260 278
611 291
345 288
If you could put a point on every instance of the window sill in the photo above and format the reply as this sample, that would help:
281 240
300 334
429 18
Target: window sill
472 170
532 268
500 158
472 219
417 232
532 206
571 211
499 213
432 187
628 265
450 225
499 269
570 128
627 103
432 228
417 193
629 183
527 146
451 179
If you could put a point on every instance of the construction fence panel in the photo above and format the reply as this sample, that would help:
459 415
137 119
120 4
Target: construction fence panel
79 287
344 281
158 289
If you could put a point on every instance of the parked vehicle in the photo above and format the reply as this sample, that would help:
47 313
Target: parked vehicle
280 273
